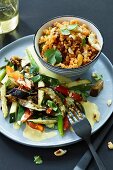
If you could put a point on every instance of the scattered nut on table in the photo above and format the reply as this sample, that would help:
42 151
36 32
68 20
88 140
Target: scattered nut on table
109 102
60 152
110 145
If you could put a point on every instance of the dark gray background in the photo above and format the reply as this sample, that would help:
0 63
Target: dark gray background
33 14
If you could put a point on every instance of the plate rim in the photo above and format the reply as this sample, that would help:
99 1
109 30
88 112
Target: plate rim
53 145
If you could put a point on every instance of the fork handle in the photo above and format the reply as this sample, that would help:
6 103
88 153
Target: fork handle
96 157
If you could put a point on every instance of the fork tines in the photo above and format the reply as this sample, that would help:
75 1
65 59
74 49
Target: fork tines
72 118
74 115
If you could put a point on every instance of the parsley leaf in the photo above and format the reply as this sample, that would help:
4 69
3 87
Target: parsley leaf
53 56
38 159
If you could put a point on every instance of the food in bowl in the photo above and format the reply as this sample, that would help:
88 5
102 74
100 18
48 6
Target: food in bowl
68 44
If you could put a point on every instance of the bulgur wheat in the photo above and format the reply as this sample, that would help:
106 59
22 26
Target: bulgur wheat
77 44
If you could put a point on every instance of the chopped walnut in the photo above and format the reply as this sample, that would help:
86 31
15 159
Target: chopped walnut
60 152
110 145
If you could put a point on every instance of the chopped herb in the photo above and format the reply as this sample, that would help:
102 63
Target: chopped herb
65 30
38 159
8 62
97 76
53 56
83 41
72 27
52 105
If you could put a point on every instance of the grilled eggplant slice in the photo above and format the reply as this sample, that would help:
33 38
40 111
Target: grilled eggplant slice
19 93
96 88
31 105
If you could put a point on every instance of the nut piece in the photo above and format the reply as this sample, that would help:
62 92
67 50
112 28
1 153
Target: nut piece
110 145
70 50
109 102
60 152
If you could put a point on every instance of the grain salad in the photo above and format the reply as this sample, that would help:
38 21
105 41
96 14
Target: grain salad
68 44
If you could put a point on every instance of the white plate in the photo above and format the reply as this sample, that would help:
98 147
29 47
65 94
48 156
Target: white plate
103 66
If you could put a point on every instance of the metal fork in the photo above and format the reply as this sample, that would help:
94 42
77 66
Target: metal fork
82 128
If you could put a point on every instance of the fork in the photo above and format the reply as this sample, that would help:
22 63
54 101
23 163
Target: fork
82 128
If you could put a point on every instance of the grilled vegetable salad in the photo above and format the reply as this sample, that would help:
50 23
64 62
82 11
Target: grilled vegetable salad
39 100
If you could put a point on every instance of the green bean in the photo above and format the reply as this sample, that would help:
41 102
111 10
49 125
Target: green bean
60 124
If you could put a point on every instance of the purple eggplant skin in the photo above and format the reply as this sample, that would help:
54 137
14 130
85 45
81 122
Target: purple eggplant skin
19 93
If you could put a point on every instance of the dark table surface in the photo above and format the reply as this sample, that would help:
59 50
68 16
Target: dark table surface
33 14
